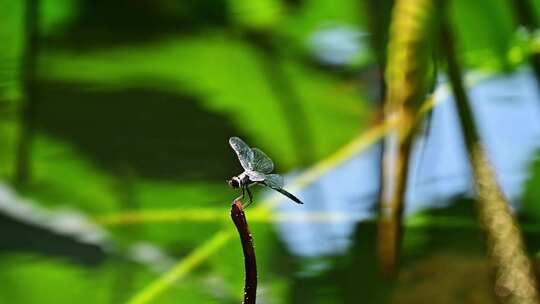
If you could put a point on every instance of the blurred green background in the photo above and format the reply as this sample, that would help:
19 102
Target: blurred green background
114 121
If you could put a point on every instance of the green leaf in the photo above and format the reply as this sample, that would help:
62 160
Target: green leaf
485 31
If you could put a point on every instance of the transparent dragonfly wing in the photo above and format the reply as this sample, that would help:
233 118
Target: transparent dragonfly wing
261 162
274 181
256 176
243 151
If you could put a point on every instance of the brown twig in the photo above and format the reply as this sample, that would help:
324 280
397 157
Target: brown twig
239 219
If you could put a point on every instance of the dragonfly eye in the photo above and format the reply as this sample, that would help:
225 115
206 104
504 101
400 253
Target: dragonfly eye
233 183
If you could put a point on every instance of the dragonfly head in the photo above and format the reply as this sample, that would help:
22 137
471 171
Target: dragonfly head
234 182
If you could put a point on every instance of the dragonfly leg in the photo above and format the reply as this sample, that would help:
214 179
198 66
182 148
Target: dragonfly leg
250 196
241 195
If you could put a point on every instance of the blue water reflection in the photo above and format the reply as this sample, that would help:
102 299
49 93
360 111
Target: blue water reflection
507 109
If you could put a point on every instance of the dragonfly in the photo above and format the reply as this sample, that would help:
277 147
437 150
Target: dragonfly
258 169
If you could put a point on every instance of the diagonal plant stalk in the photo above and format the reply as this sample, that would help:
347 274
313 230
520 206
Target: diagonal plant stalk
182 268
514 279
407 75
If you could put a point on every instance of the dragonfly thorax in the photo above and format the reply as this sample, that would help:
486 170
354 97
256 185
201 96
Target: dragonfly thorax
240 180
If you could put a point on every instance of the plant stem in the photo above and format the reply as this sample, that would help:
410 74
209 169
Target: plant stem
407 77
514 279
396 166
27 107
239 219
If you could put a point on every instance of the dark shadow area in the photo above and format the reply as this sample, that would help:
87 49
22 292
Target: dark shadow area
351 278
104 23
24 237
460 233
159 135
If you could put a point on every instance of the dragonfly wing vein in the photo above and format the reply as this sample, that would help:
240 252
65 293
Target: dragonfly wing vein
261 161
243 151
274 181
256 176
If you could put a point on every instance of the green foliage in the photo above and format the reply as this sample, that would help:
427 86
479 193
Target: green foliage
11 48
56 15
256 15
211 65
531 196
223 75
485 31
315 15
